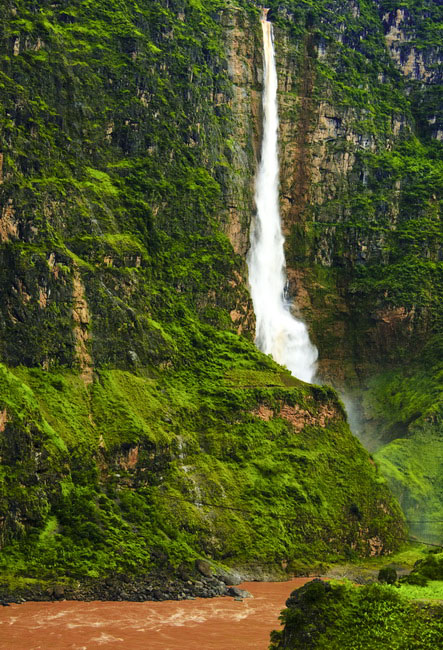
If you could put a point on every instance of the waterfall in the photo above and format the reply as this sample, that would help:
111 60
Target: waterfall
278 332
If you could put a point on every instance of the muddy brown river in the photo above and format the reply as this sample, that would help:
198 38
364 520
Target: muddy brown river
201 624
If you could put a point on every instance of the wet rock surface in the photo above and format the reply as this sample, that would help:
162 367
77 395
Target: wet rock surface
155 587
239 593
229 577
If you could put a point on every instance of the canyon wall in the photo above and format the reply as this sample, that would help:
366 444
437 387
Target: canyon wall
361 151
140 428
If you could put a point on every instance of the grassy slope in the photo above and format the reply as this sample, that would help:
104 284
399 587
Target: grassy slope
115 477
406 406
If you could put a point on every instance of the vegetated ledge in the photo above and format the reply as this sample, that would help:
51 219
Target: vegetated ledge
115 489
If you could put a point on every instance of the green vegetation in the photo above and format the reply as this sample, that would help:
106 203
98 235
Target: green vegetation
346 617
427 568
105 162
138 429
402 420
180 465
433 591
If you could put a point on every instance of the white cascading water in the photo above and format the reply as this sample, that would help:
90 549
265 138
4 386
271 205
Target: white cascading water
278 332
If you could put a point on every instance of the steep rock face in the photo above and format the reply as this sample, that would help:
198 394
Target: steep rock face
245 70
341 110
357 185
244 61
61 201
360 100
416 59
132 432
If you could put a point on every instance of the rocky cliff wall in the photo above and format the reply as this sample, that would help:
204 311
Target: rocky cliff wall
139 431
360 102
360 193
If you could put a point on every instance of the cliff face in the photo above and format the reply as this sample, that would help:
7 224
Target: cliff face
361 192
360 142
360 90
138 428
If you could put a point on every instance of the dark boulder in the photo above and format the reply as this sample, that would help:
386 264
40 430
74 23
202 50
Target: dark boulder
204 568
238 593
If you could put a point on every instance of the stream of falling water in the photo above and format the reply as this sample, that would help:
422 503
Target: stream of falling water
278 332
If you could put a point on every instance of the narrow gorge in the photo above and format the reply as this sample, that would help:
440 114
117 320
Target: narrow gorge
153 227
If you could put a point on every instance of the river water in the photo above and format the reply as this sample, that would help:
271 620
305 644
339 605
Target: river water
202 624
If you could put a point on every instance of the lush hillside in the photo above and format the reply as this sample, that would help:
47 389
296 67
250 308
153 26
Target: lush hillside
139 427
140 430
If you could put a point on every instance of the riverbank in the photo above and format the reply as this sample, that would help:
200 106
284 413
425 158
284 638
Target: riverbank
120 588
201 581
